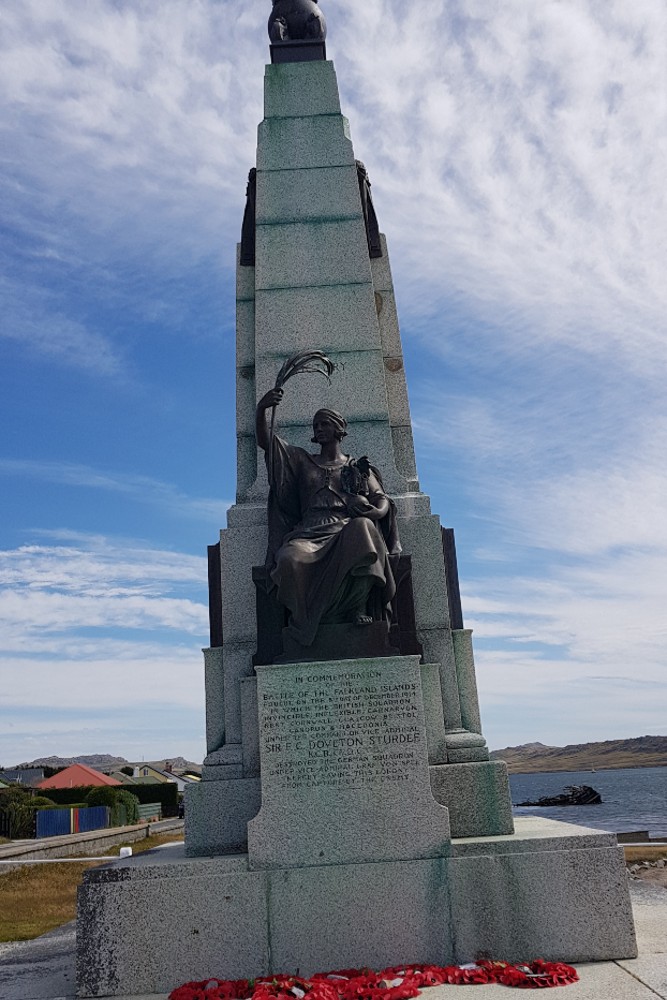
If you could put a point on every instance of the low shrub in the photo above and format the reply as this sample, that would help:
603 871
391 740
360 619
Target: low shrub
42 802
104 795
69 796
130 802
19 806
124 805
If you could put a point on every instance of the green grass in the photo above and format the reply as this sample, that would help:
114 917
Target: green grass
35 899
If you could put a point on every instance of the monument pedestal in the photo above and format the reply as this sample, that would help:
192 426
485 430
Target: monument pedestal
344 764
477 796
551 890
349 860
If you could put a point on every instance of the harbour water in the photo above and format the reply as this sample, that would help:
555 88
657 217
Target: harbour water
632 798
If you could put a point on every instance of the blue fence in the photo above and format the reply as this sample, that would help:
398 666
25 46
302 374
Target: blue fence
93 818
53 822
59 822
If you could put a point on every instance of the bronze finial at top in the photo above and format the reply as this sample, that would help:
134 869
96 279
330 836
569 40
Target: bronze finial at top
297 30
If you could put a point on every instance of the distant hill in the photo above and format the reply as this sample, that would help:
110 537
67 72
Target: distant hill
107 762
644 751
100 761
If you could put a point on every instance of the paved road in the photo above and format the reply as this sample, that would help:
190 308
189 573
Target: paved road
89 844
43 968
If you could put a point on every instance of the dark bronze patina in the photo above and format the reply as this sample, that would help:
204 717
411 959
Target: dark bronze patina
214 595
332 530
248 228
370 218
452 577
297 30
296 20
275 646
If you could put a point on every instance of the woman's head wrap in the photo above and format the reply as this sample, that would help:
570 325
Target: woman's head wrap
336 418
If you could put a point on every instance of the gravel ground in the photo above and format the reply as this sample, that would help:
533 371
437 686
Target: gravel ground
656 876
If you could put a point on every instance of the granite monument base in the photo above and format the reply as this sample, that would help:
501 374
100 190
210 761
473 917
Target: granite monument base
217 814
551 890
477 796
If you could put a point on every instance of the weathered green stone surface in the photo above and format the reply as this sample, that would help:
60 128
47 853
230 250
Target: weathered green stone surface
316 253
291 320
300 143
245 332
298 89
553 890
217 817
357 390
316 195
344 766
477 796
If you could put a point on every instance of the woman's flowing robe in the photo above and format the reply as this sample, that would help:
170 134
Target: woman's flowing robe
322 560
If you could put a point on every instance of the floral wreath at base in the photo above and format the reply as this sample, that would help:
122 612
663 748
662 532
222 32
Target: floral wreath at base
396 983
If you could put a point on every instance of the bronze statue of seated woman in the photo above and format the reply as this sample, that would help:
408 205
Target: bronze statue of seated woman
331 527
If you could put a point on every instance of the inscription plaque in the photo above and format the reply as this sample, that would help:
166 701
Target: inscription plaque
344 764
351 728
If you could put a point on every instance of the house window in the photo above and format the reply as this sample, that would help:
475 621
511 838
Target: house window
145 772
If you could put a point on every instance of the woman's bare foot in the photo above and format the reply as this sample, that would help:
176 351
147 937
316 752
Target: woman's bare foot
362 619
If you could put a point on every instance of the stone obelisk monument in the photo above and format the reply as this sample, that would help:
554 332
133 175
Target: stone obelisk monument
346 772
313 273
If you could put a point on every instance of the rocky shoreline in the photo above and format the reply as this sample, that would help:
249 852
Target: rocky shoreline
654 872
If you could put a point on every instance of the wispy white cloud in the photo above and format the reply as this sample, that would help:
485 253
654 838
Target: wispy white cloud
517 151
584 637
146 707
33 612
526 699
579 469
617 504
143 489
102 684
93 627
33 320
128 132
124 730
606 614
149 103
564 581
52 595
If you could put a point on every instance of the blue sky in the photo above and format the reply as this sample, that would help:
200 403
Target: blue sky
517 153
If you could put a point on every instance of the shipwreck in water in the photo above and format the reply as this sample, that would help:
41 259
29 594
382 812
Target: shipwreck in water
572 795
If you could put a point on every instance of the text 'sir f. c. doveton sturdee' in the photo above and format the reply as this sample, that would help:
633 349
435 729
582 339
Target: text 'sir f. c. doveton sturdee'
348 814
